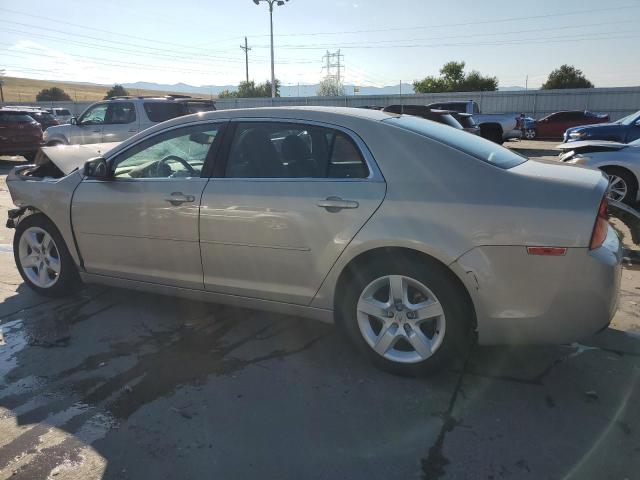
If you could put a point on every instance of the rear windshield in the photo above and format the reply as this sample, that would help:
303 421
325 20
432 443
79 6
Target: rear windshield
195 107
163 111
473 145
15 117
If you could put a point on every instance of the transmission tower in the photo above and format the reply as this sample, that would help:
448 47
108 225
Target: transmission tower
333 64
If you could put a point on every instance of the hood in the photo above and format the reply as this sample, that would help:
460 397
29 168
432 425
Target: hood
69 157
591 144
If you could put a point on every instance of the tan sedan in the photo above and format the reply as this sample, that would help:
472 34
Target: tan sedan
413 236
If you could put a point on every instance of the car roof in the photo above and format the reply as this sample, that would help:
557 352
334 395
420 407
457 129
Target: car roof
343 116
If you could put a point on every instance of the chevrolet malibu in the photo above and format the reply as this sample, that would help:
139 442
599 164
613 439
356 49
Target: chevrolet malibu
414 237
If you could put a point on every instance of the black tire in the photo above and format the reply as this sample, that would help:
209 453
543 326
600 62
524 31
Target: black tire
629 180
54 143
458 312
29 157
492 133
68 278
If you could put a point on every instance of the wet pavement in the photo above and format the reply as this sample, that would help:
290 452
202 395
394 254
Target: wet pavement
116 384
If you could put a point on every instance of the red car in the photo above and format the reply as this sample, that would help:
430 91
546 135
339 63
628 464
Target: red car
554 125
20 134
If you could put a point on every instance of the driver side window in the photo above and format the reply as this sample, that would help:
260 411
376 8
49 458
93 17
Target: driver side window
95 115
179 153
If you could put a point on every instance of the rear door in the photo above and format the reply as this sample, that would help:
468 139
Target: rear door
284 205
120 123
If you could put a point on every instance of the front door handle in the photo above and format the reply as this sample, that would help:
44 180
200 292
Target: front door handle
178 198
335 204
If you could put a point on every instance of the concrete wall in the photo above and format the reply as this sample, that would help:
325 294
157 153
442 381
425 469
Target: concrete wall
617 102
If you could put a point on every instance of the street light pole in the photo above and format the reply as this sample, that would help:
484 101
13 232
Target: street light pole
273 73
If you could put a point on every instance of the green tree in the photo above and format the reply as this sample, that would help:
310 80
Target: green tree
53 94
251 90
567 76
227 94
454 79
330 87
116 91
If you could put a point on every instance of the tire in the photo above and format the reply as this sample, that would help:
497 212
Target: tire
530 134
54 143
623 186
32 233
29 157
492 133
450 326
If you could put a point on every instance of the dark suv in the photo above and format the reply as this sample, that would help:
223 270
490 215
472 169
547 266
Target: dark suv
20 134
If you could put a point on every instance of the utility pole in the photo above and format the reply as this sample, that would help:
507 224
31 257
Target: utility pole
246 57
1 83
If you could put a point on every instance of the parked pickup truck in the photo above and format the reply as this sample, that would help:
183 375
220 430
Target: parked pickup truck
117 119
496 127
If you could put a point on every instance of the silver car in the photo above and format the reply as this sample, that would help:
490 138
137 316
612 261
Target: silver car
619 161
413 236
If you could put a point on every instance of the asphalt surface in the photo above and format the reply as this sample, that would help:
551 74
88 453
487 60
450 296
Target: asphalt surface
115 384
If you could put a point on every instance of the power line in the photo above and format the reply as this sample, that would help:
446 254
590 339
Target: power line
535 40
463 24
469 35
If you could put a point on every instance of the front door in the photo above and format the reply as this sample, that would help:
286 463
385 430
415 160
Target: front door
291 197
88 128
143 223
120 123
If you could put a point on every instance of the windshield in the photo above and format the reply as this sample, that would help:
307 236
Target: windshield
629 119
473 145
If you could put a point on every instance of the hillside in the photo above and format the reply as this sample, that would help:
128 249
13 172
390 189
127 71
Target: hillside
25 90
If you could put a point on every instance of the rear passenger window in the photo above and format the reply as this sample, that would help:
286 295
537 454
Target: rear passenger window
286 150
163 111
121 113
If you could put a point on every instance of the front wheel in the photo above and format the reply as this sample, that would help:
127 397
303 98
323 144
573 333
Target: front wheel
408 318
42 258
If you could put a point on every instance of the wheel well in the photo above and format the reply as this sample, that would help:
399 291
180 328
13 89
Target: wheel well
53 143
617 168
394 253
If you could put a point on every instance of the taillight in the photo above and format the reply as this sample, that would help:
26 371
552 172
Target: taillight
601 226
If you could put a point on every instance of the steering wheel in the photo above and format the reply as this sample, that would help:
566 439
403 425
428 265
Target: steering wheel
162 164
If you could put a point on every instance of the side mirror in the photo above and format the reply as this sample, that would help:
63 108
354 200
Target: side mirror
96 168
73 121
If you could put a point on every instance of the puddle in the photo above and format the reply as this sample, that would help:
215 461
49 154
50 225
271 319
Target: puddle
6 248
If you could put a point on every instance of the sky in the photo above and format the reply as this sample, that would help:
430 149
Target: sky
382 42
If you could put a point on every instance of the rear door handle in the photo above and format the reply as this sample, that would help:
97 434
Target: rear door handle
178 198
335 204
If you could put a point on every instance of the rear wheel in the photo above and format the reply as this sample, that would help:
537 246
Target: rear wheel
30 157
623 187
409 318
530 133
42 258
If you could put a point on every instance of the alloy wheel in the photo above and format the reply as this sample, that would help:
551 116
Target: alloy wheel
39 257
617 188
401 319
